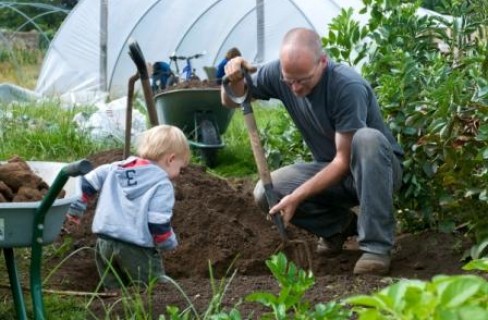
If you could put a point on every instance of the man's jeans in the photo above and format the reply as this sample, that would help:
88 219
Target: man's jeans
375 173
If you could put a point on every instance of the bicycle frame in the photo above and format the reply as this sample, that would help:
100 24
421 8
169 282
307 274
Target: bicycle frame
188 72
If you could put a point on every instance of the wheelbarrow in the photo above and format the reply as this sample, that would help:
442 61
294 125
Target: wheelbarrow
201 116
35 224
196 111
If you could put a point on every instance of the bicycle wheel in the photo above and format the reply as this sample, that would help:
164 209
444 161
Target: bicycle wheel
208 135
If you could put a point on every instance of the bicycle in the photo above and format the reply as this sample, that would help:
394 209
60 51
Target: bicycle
188 72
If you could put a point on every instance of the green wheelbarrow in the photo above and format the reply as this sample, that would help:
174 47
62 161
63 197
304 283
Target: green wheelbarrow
197 111
44 219
201 116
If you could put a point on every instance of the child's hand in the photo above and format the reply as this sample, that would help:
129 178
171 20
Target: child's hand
77 209
170 243
74 219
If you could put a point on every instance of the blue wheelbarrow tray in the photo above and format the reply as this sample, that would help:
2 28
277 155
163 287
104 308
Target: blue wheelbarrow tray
17 218
187 108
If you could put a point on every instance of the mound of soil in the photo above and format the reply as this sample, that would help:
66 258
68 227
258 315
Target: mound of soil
219 225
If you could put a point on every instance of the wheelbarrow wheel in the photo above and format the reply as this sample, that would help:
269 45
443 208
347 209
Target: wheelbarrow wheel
208 136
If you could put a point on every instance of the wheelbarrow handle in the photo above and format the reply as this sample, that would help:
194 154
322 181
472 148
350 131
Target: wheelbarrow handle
135 53
78 168
70 170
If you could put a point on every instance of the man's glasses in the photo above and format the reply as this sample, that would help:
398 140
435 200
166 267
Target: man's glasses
302 81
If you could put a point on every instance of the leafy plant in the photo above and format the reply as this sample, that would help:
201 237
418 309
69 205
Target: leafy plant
429 73
477 264
282 142
290 302
445 297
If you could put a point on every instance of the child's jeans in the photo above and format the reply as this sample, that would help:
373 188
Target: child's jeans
122 264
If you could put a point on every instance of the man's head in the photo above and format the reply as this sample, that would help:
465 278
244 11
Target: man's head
167 145
232 53
302 60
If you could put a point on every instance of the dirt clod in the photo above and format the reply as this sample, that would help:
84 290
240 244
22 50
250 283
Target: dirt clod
18 183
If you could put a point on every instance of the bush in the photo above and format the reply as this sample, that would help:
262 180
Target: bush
429 73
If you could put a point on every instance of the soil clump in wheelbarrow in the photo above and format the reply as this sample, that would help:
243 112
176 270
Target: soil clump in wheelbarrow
193 84
18 183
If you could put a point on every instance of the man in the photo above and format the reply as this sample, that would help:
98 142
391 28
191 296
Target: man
220 72
160 76
357 160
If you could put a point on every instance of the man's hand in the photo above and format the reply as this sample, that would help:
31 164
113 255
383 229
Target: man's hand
286 207
233 69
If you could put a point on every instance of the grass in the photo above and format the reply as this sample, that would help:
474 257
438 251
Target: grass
44 132
20 67
236 158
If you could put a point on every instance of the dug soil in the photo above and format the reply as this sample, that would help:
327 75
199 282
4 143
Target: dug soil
221 229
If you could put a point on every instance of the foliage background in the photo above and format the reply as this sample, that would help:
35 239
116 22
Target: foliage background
430 75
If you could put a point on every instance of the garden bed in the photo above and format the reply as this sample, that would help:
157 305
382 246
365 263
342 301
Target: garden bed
218 223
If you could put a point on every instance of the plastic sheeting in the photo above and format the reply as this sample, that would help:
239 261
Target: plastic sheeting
162 27
10 92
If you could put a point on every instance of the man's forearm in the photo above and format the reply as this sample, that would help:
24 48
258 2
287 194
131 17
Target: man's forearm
325 178
237 88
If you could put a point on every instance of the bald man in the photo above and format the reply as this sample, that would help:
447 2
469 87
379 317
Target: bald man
356 158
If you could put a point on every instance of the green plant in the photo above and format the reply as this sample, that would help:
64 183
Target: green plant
479 250
290 302
429 73
445 297
477 264
236 159
282 142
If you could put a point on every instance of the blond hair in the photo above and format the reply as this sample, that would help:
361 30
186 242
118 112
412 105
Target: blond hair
162 140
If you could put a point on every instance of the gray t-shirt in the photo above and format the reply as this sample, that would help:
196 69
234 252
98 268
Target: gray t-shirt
341 102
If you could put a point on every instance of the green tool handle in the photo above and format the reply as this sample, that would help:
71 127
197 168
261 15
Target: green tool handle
71 170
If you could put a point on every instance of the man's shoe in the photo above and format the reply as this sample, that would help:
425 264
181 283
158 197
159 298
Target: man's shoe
333 245
371 263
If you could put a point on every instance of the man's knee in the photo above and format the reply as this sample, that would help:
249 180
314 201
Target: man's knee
367 141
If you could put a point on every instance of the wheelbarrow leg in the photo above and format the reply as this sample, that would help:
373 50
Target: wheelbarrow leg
14 283
71 170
